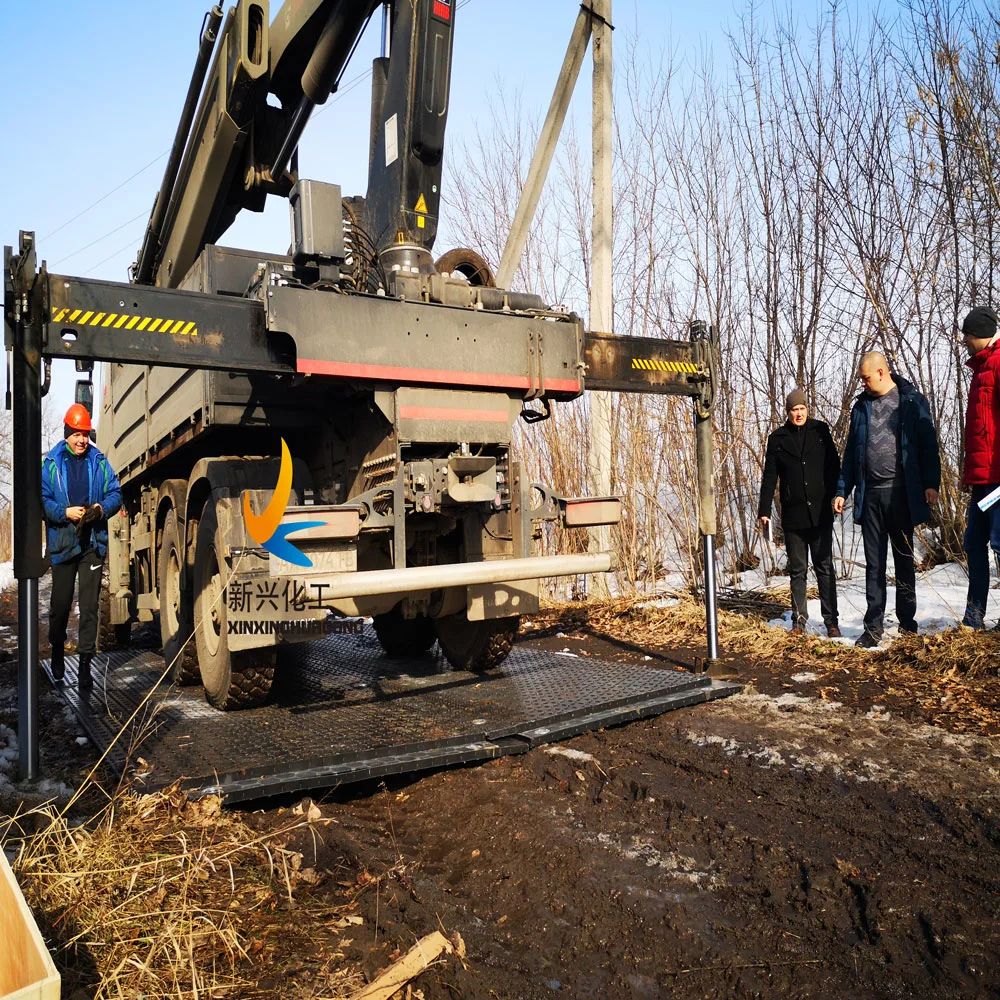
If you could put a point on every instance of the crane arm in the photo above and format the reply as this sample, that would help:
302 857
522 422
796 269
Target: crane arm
237 136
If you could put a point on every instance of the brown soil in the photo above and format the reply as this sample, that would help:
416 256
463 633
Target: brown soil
812 837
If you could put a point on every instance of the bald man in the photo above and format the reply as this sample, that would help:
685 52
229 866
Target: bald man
892 463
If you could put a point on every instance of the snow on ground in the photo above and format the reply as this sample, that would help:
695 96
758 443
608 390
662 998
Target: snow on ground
941 595
6 576
812 734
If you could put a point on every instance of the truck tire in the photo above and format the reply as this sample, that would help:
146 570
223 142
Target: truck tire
401 636
476 646
175 605
110 636
470 264
232 680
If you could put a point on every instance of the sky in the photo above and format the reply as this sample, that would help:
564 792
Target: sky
93 93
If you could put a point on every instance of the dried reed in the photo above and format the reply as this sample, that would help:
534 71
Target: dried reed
160 895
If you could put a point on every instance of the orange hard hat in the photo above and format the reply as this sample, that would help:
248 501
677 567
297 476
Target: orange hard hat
78 418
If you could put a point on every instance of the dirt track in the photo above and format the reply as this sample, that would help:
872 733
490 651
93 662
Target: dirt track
735 850
770 845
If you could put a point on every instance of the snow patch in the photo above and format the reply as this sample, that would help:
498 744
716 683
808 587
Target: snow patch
558 751
677 866
806 677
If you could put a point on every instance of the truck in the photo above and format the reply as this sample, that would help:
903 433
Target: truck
326 433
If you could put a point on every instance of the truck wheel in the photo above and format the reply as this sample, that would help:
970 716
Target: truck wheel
401 636
110 636
232 680
476 645
175 606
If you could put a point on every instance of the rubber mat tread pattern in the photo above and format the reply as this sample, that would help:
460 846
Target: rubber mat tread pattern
341 699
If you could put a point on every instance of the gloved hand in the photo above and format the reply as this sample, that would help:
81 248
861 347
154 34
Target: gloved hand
93 513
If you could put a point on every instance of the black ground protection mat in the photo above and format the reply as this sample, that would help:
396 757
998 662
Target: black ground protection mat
342 711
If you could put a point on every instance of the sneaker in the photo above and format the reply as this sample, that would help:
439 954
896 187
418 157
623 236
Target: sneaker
868 641
84 678
58 663
833 631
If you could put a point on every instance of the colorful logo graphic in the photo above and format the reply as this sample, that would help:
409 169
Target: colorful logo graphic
266 529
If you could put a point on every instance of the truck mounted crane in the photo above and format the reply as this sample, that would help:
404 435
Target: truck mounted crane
324 432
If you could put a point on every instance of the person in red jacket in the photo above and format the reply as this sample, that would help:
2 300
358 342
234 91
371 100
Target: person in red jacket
982 456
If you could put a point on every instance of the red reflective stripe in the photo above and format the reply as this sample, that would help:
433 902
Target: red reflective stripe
442 10
437 376
450 413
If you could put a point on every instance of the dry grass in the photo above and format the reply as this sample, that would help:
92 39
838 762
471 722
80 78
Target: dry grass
743 629
162 896
948 679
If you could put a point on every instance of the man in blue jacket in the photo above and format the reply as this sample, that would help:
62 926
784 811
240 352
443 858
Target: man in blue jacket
892 463
80 492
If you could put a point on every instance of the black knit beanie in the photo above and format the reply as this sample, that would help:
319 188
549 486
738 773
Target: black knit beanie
980 322
795 398
67 430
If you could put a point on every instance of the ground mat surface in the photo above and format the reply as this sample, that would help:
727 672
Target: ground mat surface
342 711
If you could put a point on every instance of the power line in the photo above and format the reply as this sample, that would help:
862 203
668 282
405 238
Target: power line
340 93
101 239
104 197
346 89
131 243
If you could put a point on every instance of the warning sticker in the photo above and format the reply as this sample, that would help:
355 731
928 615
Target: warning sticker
391 141
421 205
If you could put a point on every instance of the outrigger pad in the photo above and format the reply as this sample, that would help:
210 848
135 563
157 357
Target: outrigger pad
342 711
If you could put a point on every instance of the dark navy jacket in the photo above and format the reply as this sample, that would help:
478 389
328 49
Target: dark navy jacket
805 461
104 489
918 439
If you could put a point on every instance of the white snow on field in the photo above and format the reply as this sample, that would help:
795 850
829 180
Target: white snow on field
6 576
941 594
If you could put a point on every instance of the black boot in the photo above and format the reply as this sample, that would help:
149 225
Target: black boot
58 663
84 680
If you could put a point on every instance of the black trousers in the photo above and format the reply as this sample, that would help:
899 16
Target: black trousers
798 545
88 567
886 521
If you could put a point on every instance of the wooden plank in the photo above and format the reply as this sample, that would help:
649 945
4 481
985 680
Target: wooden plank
27 971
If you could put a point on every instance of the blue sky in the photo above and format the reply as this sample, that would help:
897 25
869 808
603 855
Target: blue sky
93 93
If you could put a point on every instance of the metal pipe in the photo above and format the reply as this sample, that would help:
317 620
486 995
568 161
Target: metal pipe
711 609
28 512
416 578
295 130
27 677
151 242
548 138
703 351
330 55
386 15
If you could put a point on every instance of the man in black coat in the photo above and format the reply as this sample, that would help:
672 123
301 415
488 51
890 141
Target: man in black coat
802 455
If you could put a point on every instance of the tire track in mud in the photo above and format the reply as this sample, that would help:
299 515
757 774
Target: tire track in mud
756 847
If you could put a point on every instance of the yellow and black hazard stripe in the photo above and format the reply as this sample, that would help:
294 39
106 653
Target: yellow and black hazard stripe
657 365
124 321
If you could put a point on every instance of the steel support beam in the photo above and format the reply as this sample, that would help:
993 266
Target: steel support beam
601 301
21 313
704 344
544 151
642 364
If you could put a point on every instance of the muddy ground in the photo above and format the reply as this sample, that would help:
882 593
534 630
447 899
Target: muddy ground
811 837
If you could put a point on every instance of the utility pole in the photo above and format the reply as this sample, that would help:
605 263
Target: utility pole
601 301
